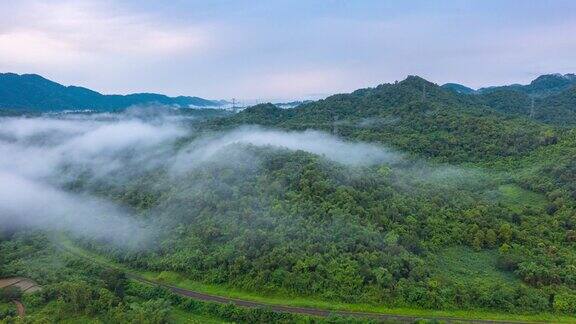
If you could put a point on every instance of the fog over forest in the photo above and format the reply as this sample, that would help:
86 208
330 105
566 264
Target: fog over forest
41 156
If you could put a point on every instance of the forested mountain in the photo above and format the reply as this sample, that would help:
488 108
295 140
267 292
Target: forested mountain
458 88
558 109
548 98
542 86
413 115
406 196
31 92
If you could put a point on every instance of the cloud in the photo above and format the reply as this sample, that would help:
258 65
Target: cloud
319 143
41 156
282 50
68 33
29 203
38 147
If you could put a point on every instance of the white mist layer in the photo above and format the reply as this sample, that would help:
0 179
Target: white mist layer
28 203
328 146
35 151
38 156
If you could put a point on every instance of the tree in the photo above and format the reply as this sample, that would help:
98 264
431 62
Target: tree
10 293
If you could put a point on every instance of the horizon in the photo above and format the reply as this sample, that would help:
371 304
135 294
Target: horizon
250 51
255 101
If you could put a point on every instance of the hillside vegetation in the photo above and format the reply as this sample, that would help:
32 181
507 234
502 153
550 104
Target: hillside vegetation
421 198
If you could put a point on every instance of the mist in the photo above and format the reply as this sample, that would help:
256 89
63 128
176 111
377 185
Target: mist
315 142
26 203
40 156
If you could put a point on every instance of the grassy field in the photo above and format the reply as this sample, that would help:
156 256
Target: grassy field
178 280
517 198
464 265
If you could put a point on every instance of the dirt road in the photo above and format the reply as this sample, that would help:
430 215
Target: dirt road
20 308
311 311
297 310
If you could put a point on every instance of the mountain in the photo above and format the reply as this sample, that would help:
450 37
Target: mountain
413 115
300 214
458 88
558 109
549 98
542 86
31 92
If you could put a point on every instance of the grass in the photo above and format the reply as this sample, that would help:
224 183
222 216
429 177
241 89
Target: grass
517 198
4 307
464 265
180 281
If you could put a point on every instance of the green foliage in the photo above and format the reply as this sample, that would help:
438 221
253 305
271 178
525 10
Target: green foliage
444 125
297 225
31 92
496 233
10 293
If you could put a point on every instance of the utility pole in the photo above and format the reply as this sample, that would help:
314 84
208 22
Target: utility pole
234 104
532 108
335 125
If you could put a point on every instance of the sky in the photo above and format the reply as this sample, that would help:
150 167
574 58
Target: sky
282 50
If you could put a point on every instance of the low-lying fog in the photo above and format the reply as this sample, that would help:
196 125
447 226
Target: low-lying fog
38 155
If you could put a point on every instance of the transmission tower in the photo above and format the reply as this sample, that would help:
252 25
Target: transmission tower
423 92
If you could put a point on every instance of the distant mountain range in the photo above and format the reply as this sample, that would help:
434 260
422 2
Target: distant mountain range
542 86
548 98
32 92
452 119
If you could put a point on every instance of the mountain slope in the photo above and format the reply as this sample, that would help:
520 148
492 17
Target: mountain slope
559 109
413 115
31 92
542 86
458 88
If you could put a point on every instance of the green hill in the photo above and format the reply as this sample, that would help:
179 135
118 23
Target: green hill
31 92
412 115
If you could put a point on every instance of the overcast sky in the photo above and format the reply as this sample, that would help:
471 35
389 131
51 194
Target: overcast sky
284 49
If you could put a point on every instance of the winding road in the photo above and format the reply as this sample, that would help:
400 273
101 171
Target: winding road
311 311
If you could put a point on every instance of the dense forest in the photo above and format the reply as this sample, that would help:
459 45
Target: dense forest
418 197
